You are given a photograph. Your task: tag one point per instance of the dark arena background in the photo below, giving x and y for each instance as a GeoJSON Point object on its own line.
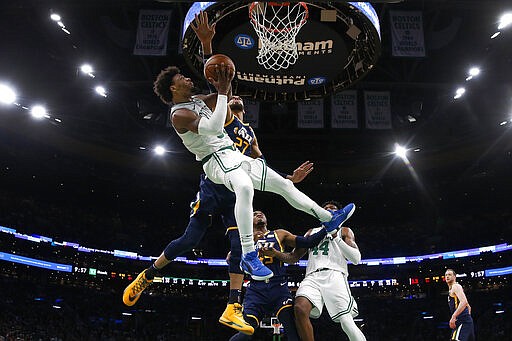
{"type": "Point", "coordinates": [411, 120]}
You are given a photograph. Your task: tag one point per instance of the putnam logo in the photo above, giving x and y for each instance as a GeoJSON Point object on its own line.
{"type": "Point", "coordinates": [271, 79]}
{"type": "Point", "coordinates": [317, 80]}
{"type": "Point", "coordinates": [244, 41]}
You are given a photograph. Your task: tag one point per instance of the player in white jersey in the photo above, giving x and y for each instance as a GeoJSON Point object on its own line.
{"type": "Point", "coordinates": [199, 121]}
{"type": "Point", "coordinates": [326, 281]}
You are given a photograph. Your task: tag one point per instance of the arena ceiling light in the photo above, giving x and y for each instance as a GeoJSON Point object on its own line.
{"type": "Point", "coordinates": [101, 91]}
{"type": "Point", "coordinates": [55, 17]}
{"type": "Point", "coordinates": [159, 150]}
{"type": "Point", "coordinates": [459, 92]}
{"type": "Point", "coordinates": [38, 111]}
{"type": "Point", "coordinates": [400, 151]}
{"type": "Point", "coordinates": [473, 72]}
{"type": "Point", "coordinates": [7, 95]}
{"type": "Point", "coordinates": [87, 69]}
{"type": "Point", "coordinates": [505, 20]}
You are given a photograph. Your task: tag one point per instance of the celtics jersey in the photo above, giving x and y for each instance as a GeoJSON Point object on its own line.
{"type": "Point", "coordinates": [326, 255]}
{"type": "Point", "coordinates": [201, 145]}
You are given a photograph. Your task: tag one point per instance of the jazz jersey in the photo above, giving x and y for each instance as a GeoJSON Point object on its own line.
{"type": "Point", "coordinates": [241, 134]}
{"type": "Point", "coordinates": [270, 239]}
{"type": "Point", "coordinates": [326, 255]}
{"type": "Point", "coordinates": [453, 303]}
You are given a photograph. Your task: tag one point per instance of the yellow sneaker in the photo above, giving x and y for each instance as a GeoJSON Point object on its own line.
{"type": "Point", "coordinates": [233, 318]}
{"type": "Point", "coordinates": [132, 292]}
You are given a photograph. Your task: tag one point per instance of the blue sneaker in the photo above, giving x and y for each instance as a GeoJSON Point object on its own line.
{"type": "Point", "coordinates": [252, 265]}
{"type": "Point", "coordinates": [338, 218]}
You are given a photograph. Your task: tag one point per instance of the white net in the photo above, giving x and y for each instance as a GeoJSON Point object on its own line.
{"type": "Point", "coordinates": [277, 24]}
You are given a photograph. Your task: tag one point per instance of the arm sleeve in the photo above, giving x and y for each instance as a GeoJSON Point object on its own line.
{"type": "Point", "coordinates": [310, 241]}
{"type": "Point", "coordinates": [351, 253]}
{"type": "Point", "coordinates": [214, 124]}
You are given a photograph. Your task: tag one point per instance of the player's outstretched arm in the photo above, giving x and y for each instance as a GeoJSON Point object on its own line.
{"type": "Point", "coordinates": [285, 257]}
{"type": "Point", "coordinates": [204, 32]}
{"type": "Point", "coordinates": [347, 243]}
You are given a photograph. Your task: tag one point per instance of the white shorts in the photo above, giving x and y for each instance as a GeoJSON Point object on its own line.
{"type": "Point", "coordinates": [331, 288]}
{"type": "Point", "coordinates": [227, 161]}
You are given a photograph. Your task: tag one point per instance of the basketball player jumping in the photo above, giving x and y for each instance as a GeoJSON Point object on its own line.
{"type": "Point", "coordinates": [215, 199]}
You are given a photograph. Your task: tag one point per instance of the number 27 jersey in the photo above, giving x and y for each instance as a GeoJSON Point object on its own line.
{"type": "Point", "coordinates": [241, 134]}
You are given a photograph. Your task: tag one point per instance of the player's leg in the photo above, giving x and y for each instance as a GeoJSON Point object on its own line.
{"type": "Point", "coordinates": [239, 181]}
{"type": "Point", "coordinates": [255, 299]}
{"type": "Point", "coordinates": [302, 309]}
{"type": "Point", "coordinates": [232, 315]}
{"type": "Point", "coordinates": [350, 328]}
{"type": "Point", "coordinates": [271, 181]}
{"type": "Point", "coordinates": [200, 220]}
{"type": "Point", "coordinates": [339, 302]}
{"type": "Point", "coordinates": [193, 234]}
{"type": "Point", "coordinates": [308, 303]}
{"type": "Point", "coordinates": [287, 318]}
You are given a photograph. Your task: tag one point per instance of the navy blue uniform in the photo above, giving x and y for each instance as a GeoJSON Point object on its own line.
{"type": "Point", "coordinates": [272, 296]}
{"type": "Point", "coordinates": [464, 329]}
{"type": "Point", "coordinates": [215, 199]}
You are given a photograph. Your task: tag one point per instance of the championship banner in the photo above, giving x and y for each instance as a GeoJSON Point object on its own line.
{"type": "Point", "coordinates": [311, 114]}
{"type": "Point", "coordinates": [407, 34]}
{"type": "Point", "coordinates": [344, 109]}
{"type": "Point", "coordinates": [152, 31]}
{"type": "Point", "coordinates": [252, 113]}
{"type": "Point", "coordinates": [377, 109]}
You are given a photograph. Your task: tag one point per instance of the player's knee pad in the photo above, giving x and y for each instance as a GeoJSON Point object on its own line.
{"type": "Point", "coordinates": [236, 252]}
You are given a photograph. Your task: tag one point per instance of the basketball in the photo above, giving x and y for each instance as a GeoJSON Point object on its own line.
{"type": "Point", "coordinates": [217, 59]}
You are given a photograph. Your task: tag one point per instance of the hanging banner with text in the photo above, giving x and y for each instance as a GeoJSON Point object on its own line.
{"type": "Point", "coordinates": [344, 109]}
{"type": "Point", "coordinates": [407, 34]}
{"type": "Point", "coordinates": [252, 113]}
{"type": "Point", "coordinates": [152, 31]}
{"type": "Point", "coordinates": [311, 114]}
{"type": "Point", "coordinates": [377, 109]}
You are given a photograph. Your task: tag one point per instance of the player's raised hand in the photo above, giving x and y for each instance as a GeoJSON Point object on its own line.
{"type": "Point", "coordinates": [202, 27]}
{"type": "Point", "coordinates": [301, 172]}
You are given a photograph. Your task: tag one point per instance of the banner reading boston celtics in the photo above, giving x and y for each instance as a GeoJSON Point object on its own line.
{"type": "Point", "coordinates": [311, 114]}
{"type": "Point", "coordinates": [152, 33]}
{"type": "Point", "coordinates": [407, 34]}
{"type": "Point", "coordinates": [344, 109]}
{"type": "Point", "coordinates": [377, 109]}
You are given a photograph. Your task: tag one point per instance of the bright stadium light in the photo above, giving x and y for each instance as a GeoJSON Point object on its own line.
{"type": "Point", "coordinates": [495, 35]}
{"type": "Point", "coordinates": [38, 111]}
{"type": "Point", "coordinates": [459, 92]}
{"type": "Point", "coordinates": [505, 20]}
{"type": "Point", "coordinates": [7, 95]}
{"type": "Point", "coordinates": [159, 150]}
{"type": "Point", "coordinates": [101, 91]}
{"type": "Point", "coordinates": [400, 151]}
{"type": "Point", "coordinates": [55, 17]}
{"type": "Point", "coordinates": [61, 24]}
{"type": "Point", "coordinates": [87, 69]}
{"type": "Point", "coordinates": [473, 72]}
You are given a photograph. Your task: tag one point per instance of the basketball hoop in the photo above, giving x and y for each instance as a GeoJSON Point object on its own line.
{"type": "Point", "coordinates": [277, 24]}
